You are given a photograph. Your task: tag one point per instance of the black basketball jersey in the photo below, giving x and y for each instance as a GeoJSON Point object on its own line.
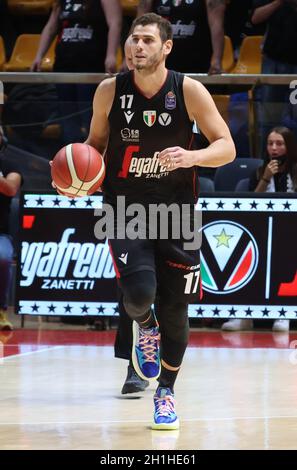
{"type": "Point", "coordinates": [192, 46]}
{"type": "Point", "coordinates": [140, 128]}
{"type": "Point", "coordinates": [82, 37]}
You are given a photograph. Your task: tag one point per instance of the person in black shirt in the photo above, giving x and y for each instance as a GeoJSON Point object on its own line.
{"type": "Point", "coordinates": [238, 23]}
{"type": "Point", "coordinates": [279, 57]}
{"type": "Point", "coordinates": [142, 122]}
{"type": "Point", "coordinates": [88, 38]}
{"type": "Point", "coordinates": [10, 182]}
{"type": "Point", "coordinates": [281, 32]}
{"type": "Point", "coordinates": [198, 32]}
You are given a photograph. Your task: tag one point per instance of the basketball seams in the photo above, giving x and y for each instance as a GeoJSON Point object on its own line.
{"type": "Point", "coordinates": [57, 174]}
{"type": "Point", "coordinates": [98, 176]}
{"type": "Point", "coordinates": [88, 166]}
{"type": "Point", "coordinates": [77, 186]}
{"type": "Point", "coordinates": [58, 170]}
{"type": "Point", "coordinates": [75, 180]}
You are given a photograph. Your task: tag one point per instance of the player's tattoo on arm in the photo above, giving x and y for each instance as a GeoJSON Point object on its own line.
{"type": "Point", "coordinates": [211, 4]}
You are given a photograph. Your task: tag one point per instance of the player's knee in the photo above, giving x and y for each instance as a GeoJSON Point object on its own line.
{"type": "Point", "coordinates": [139, 301]}
{"type": "Point", "coordinates": [138, 298]}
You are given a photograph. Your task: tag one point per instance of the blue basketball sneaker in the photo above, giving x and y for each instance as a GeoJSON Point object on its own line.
{"type": "Point", "coordinates": [145, 351]}
{"type": "Point", "coordinates": [165, 417]}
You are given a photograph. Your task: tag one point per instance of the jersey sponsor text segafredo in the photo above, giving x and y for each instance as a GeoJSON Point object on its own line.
{"type": "Point", "coordinates": [66, 264]}
{"type": "Point", "coordinates": [146, 167]}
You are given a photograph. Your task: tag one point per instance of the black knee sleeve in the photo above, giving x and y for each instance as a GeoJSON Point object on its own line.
{"type": "Point", "coordinates": [139, 292]}
{"type": "Point", "coordinates": [172, 352]}
{"type": "Point", "coordinates": [174, 328]}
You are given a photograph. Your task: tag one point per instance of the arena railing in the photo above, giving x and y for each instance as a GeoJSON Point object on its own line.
{"type": "Point", "coordinates": [223, 79]}
{"type": "Point", "coordinates": [231, 83]}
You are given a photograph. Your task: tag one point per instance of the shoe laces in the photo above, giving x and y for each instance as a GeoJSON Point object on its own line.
{"type": "Point", "coordinates": [164, 405]}
{"type": "Point", "coordinates": [147, 343]}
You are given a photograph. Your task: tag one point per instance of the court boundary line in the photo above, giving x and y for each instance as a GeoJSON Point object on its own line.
{"type": "Point", "coordinates": [183, 420]}
{"type": "Point", "coordinates": [28, 353]}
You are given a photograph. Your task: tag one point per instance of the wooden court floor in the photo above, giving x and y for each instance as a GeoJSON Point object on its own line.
{"type": "Point", "coordinates": [67, 396]}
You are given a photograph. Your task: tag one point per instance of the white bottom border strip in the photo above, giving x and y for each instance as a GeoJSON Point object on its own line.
{"type": "Point", "coordinates": [36, 307]}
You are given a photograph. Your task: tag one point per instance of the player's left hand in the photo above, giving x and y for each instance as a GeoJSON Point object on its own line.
{"type": "Point", "coordinates": [176, 157]}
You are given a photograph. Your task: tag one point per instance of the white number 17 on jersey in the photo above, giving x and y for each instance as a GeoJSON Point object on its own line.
{"type": "Point", "coordinates": [192, 282]}
{"type": "Point", "coordinates": [126, 101]}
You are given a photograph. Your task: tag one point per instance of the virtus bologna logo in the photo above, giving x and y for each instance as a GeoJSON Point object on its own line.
{"type": "Point", "coordinates": [229, 257]}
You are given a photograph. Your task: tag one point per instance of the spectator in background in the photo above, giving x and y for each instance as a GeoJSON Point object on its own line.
{"type": "Point", "coordinates": [279, 57]}
{"type": "Point", "coordinates": [10, 182]}
{"type": "Point", "coordinates": [238, 26]}
{"type": "Point", "coordinates": [198, 32]}
{"type": "Point", "coordinates": [88, 38]}
{"type": "Point", "coordinates": [278, 174]}
{"type": "Point", "coordinates": [238, 23]}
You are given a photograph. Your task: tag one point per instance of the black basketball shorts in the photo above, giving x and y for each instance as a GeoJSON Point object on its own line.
{"type": "Point", "coordinates": [177, 270]}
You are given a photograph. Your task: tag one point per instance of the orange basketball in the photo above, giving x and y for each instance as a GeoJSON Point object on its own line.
{"type": "Point", "coordinates": [78, 170]}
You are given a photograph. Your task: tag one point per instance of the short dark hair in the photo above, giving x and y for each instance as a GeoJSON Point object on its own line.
{"type": "Point", "coordinates": [164, 25]}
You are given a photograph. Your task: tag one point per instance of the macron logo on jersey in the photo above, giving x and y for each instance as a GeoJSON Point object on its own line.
{"type": "Point", "coordinates": [128, 115]}
{"type": "Point", "coordinates": [124, 258]}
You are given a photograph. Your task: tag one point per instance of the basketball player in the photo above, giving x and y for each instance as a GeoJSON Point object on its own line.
{"type": "Point", "coordinates": [123, 342]}
{"type": "Point", "coordinates": [142, 121]}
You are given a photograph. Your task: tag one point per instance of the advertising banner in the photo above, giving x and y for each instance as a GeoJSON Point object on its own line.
{"type": "Point", "coordinates": [248, 258]}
